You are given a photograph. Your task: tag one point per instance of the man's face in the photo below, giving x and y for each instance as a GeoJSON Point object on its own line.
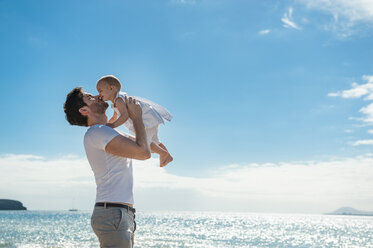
{"type": "Point", "coordinates": [95, 104]}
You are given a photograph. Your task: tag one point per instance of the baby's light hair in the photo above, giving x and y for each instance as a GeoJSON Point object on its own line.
{"type": "Point", "coordinates": [111, 81]}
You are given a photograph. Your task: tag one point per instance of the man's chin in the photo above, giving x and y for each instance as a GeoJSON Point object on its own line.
{"type": "Point", "coordinates": [99, 108]}
{"type": "Point", "coordinates": [105, 105]}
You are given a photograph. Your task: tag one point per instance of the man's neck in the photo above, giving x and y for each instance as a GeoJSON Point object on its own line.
{"type": "Point", "coordinates": [97, 119]}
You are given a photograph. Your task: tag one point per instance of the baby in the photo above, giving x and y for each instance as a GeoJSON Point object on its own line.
{"type": "Point", "coordinates": [153, 114]}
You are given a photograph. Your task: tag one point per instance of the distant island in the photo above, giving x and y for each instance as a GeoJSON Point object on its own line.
{"type": "Point", "coordinates": [11, 205]}
{"type": "Point", "coordinates": [350, 211]}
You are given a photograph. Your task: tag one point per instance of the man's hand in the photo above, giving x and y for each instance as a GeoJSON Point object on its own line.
{"type": "Point", "coordinates": [125, 147]}
{"type": "Point", "coordinates": [134, 109]}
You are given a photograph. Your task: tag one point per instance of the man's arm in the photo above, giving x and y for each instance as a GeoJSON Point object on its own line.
{"type": "Point", "coordinates": [125, 147]}
{"type": "Point", "coordinates": [134, 139]}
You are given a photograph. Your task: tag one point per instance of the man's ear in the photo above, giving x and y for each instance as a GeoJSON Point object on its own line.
{"type": "Point", "coordinates": [84, 110]}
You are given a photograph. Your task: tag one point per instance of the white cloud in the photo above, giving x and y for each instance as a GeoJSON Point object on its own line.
{"type": "Point", "coordinates": [368, 111]}
{"type": "Point", "coordinates": [297, 186]}
{"type": "Point", "coordinates": [287, 20]}
{"type": "Point", "coordinates": [363, 142]}
{"type": "Point", "coordinates": [346, 14]}
{"type": "Point", "coordinates": [46, 184]}
{"type": "Point", "coordinates": [358, 91]}
{"type": "Point", "coordinates": [265, 31]}
{"type": "Point", "coordinates": [370, 131]}
{"type": "Point", "coordinates": [352, 10]}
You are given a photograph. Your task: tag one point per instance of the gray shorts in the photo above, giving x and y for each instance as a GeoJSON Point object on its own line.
{"type": "Point", "coordinates": [114, 226]}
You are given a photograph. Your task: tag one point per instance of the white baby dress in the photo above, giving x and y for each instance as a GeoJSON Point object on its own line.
{"type": "Point", "coordinates": [153, 114]}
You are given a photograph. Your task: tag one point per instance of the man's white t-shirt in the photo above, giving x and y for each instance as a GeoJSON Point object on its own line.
{"type": "Point", "coordinates": [113, 174]}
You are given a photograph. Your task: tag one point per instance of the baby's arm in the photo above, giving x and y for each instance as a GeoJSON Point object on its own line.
{"type": "Point", "coordinates": [112, 119]}
{"type": "Point", "coordinates": [122, 108]}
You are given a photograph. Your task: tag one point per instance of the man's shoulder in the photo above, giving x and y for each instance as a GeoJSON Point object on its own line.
{"type": "Point", "coordinates": [99, 135]}
{"type": "Point", "coordinates": [98, 130]}
{"type": "Point", "coordinates": [92, 129]}
{"type": "Point", "coordinates": [97, 127]}
{"type": "Point", "coordinates": [88, 133]}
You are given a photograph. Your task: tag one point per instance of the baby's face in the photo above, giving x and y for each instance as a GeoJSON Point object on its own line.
{"type": "Point", "coordinates": [105, 91]}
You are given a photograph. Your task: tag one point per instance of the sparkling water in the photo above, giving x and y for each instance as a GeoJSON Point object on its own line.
{"type": "Point", "coordinates": [190, 229]}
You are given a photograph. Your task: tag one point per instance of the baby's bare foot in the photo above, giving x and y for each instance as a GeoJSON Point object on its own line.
{"type": "Point", "coordinates": [166, 160]}
{"type": "Point", "coordinates": [162, 158]}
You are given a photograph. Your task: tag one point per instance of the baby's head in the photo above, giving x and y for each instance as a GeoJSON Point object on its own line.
{"type": "Point", "coordinates": [108, 87]}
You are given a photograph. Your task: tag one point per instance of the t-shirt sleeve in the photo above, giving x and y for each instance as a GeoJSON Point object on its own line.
{"type": "Point", "coordinates": [101, 135]}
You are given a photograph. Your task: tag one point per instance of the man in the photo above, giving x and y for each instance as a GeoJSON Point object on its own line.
{"type": "Point", "coordinates": [109, 154]}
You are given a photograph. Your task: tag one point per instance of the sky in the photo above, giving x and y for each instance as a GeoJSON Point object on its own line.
{"type": "Point", "coordinates": [272, 100]}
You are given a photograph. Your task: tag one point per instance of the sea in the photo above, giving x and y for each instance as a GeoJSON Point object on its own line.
{"type": "Point", "coordinates": [190, 229]}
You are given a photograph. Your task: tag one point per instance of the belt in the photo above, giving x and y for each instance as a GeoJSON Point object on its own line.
{"type": "Point", "coordinates": [117, 205]}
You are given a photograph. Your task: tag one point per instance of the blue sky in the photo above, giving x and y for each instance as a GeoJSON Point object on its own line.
{"type": "Point", "coordinates": [248, 82]}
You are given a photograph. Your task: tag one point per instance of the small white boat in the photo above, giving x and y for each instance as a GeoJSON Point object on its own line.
{"type": "Point", "coordinates": [72, 209]}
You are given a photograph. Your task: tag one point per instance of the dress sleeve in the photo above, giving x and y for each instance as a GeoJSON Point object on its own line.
{"type": "Point", "coordinates": [101, 135]}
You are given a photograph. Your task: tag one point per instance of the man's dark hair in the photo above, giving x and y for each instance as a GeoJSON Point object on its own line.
{"type": "Point", "coordinates": [74, 101]}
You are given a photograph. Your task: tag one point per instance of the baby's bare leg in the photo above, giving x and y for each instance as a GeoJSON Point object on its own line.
{"type": "Point", "coordinates": [157, 149]}
{"type": "Point", "coordinates": [169, 158]}
{"type": "Point", "coordinates": [164, 156]}
{"type": "Point", "coordinates": [163, 146]}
